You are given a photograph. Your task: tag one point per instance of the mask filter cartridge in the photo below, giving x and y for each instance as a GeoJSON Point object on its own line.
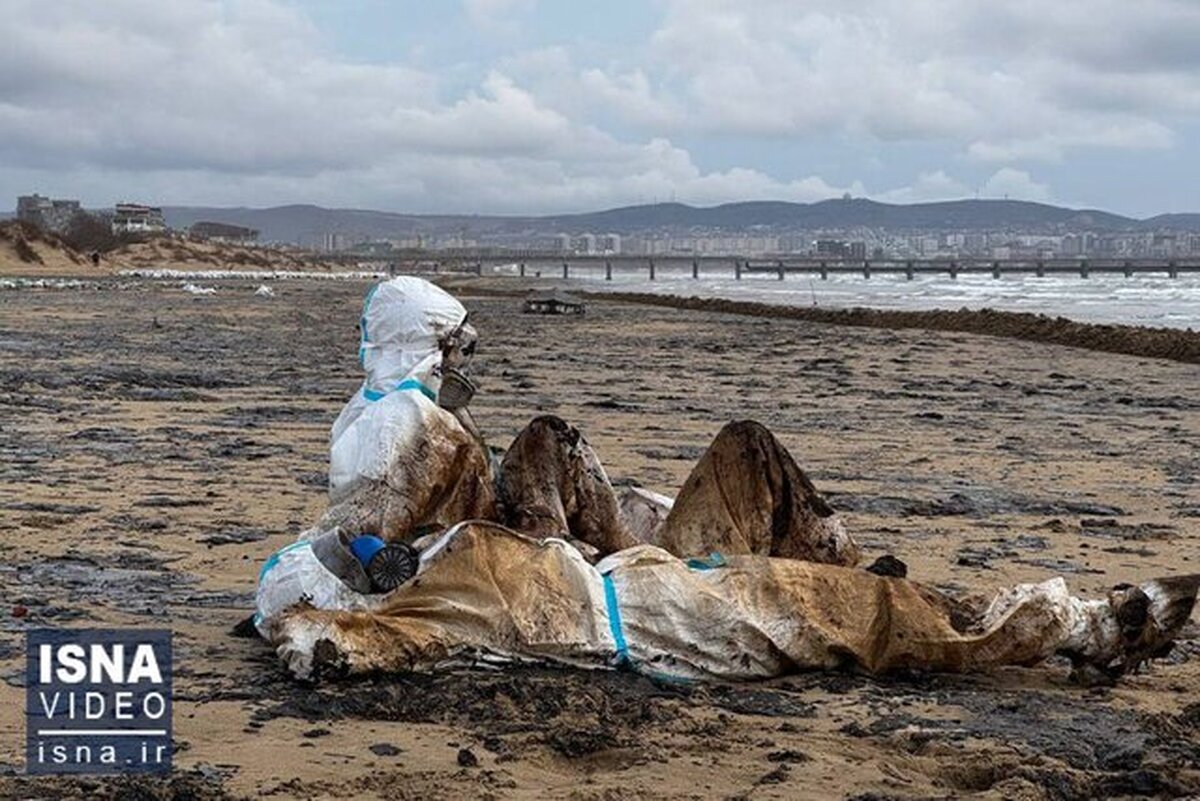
{"type": "Point", "coordinates": [388, 565]}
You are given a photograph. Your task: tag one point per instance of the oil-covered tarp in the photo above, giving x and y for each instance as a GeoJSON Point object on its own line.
{"type": "Point", "coordinates": [485, 592]}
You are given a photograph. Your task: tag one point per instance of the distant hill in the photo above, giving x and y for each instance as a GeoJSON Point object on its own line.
{"type": "Point", "coordinates": [306, 224]}
{"type": "Point", "coordinates": [958, 214]}
{"type": "Point", "coordinates": [1179, 222]}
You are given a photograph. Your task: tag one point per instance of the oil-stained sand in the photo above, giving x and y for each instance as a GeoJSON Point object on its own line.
{"type": "Point", "coordinates": [155, 447]}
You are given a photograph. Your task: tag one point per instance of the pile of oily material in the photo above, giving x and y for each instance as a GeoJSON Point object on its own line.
{"type": "Point", "coordinates": [485, 593]}
{"type": "Point", "coordinates": [399, 461]}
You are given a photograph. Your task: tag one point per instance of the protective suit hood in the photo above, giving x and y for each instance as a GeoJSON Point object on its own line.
{"type": "Point", "coordinates": [404, 321]}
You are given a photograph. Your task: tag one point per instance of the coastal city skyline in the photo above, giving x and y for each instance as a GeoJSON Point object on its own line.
{"type": "Point", "coordinates": [998, 231]}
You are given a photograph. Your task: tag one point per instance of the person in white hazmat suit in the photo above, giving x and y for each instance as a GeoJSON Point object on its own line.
{"type": "Point", "coordinates": [431, 555]}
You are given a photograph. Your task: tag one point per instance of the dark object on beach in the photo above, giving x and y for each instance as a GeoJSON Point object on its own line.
{"type": "Point", "coordinates": [888, 565]}
{"type": "Point", "coordinates": [552, 302]}
{"type": "Point", "coordinates": [467, 758]}
{"type": "Point", "coordinates": [245, 629]}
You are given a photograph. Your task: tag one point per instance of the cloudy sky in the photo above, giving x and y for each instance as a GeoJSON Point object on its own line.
{"type": "Point", "coordinates": [523, 106]}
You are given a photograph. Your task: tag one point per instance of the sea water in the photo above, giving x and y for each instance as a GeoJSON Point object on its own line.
{"type": "Point", "coordinates": [1145, 299]}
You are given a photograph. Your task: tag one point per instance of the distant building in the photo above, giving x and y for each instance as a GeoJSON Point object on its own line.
{"type": "Point", "coordinates": [52, 215]}
{"type": "Point", "coordinates": [588, 244]}
{"type": "Point", "coordinates": [223, 232]}
{"type": "Point", "coordinates": [332, 242]}
{"type": "Point", "coordinates": [609, 243]}
{"type": "Point", "coordinates": [858, 251]}
{"type": "Point", "coordinates": [377, 248]}
{"type": "Point", "coordinates": [974, 243]}
{"type": "Point", "coordinates": [134, 218]}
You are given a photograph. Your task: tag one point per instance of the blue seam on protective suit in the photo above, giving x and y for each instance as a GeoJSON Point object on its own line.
{"type": "Point", "coordinates": [614, 619]}
{"type": "Point", "coordinates": [362, 324]}
{"type": "Point", "coordinates": [408, 383]}
{"type": "Point", "coordinates": [412, 383]}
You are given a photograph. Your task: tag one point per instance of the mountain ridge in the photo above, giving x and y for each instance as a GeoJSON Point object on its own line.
{"type": "Point", "coordinates": [300, 222]}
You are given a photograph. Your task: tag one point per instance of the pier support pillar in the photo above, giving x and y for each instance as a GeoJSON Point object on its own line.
{"type": "Point", "coordinates": [1128, 269]}
{"type": "Point", "coordinates": [695, 268]}
{"type": "Point", "coordinates": [824, 272]}
{"type": "Point", "coordinates": [780, 267]}
{"type": "Point", "coordinates": [1041, 269]}
{"type": "Point", "coordinates": [652, 269]}
{"type": "Point", "coordinates": [566, 270]}
{"type": "Point", "coordinates": [521, 269]}
{"type": "Point", "coordinates": [954, 270]}
{"type": "Point", "coordinates": [737, 269]}
{"type": "Point", "coordinates": [607, 270]}
{"type": "Point", "coordinates": [908, 270]}
{"type": "Point", "coordinates": [1172, 269]}
{"type": "Point", "coordinates": [1083, 269]}
{"type": "Point", "coordinates": [996, 270]}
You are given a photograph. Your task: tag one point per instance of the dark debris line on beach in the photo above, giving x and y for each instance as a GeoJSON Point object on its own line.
{"type": "Point", "coordinates": [1158, 343]}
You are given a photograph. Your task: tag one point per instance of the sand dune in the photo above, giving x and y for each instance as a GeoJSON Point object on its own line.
{"type": "Point", "coordinates": [28, 250]}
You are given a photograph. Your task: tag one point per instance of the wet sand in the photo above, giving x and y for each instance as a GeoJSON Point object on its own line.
{"type": "Point", "coordinates": [155, 447]}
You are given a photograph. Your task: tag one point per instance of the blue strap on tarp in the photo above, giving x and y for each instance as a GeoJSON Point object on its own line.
{"type": "Point", "coordinates": [711, 562]}
{"type": "Point", "coordinates": [618, 634]}
{"type": "Point", "coordinates": [614, 619]}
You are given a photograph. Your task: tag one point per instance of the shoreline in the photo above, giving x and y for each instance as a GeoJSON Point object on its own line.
{"type": "Point", "coordinates": [1173, 344]}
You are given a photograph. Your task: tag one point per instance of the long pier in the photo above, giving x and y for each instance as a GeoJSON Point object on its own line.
{"type": "Point", "coordinates": [561, 266]}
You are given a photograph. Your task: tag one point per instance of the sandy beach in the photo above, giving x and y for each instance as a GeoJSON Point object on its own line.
{"type": "Point", "coordinates": [157, 446]}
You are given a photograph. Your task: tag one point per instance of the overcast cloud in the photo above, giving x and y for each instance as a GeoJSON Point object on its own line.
{"type": "Point", "coordinates": [521, 107]}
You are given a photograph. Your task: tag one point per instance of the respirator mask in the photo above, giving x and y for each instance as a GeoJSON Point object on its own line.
{"type": "Point", "coordinates": [364, 562]}
{"type": "Point", "coordinates": [458, 349]}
